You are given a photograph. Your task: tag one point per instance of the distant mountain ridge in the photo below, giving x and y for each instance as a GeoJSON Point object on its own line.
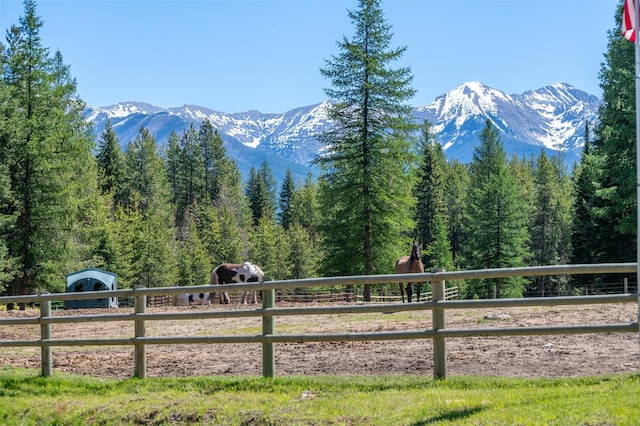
{"type": "Point", "coordinates": [551, 118]}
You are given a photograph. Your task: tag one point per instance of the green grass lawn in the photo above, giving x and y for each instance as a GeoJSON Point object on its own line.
{"type": "Point", "coordinates": [26, 399]}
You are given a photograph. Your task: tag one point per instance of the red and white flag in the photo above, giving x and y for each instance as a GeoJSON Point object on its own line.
{"type": "Point", "coordinates": [629, 20]}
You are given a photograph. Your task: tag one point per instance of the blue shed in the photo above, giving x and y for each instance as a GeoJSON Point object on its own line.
{"type": "Point", "coordinates": [91, 279]}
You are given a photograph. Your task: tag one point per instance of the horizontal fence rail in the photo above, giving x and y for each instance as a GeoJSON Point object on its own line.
{"type": "Point", "coordinates": [437, 304]}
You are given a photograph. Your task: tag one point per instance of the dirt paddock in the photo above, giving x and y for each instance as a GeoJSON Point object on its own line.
{"type": "Point", "coordinates": [518, 356]}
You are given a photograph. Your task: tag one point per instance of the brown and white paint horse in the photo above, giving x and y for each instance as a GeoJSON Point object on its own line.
{"type": "Point", "coordinates": [411, 265]}
{"type": "Point", "coordinates": [229, 273]}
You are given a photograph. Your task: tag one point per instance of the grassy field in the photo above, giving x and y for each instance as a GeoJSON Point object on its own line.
{"type": "Point", "coordinates": [26, 399]}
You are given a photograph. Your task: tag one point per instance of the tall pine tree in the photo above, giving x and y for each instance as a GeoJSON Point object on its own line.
{"type": "Point", "coordinates": [305, 207]}
{"type": "Point", "coordinates": [110, 162]}
{"type": "Point", "coordinates": [583, 244]}
{"type": "Point", "coordinates": [367, 187]}
{"type": "Point", "coordinates": [194, 265]}
{"type": "Point", "coordinates": [287, 192]}
{"type": "Point", "coordinates": [261, 192]}
{"type": "Point", "coordinates": [550, 225]}
{"type": "Point", "coordinates": [496, 227]}
{"type": "Point", "coordinates": [5, 186]}
{"type": "Point", "coordinates": [303, 254]}
{"type": "Point", "coordinates": [172, 163]}
{"type": "Point", "coordinates": [269, 248]}
{"type": "Point", "coordinates": [47, 152]}
{"type": "Point", "coordinates": [431, 210]}
{"type": "Point", "coordinates": [614, 151]}
{"type": "Point", "coordinates": [185, 163]}
{"type": "Point", "coordinates": [220, 171]}
{"type": "Point", "coordinates": [153, 257]}
{"type": "Point", "coordinates": [457, 182]}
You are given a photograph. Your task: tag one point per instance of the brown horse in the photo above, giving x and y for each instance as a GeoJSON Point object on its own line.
{"type": "Point", "coordinates": [411, 265]}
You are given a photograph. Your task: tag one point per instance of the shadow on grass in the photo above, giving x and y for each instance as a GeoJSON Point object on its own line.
{"type": "Point", "coordinates": [452, 415]}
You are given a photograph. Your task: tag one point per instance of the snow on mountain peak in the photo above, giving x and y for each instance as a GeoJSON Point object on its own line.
{"type": "Point", "coordinates": [465, 101]}
{"type": "Point", "coordinates": [552, 117]}
{"type": "Point", "coordinates": [124, 109]}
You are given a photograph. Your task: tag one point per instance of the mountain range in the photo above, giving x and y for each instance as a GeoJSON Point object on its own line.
{"type": "Point", "coordinates": [551, 118]}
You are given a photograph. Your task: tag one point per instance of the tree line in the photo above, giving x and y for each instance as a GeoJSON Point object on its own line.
{"type": "Point", "coordinates": [164, 215]}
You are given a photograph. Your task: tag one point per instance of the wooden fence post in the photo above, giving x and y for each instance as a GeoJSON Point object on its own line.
{"type": "Point", "coordinates": [140, 351]}
{"type": "Point", "coordinates": [45, 334]}
{"type": "Point", "coordinates": [439, 322]}
{"type": "Point", "coordinates": [268, 354]}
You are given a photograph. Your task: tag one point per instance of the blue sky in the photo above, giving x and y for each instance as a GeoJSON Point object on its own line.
{"type": "Point", "coordinates": [239, 55]}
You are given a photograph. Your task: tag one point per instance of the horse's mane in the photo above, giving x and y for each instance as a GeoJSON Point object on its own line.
{"type": "Point", "coordinates": [414, 253]}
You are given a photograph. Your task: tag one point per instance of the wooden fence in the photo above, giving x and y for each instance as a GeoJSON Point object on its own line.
{"type": "Point", "coordinates": [438, 305]}
{"type": "Point", "coordinates": [450, 293]}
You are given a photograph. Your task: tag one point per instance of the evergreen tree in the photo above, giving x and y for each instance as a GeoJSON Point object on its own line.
{"type": "Point", "coordinates": [5, 222]}
{"type": "Point", "coordinates": [550, 222]}
{"type": "Point", "coordinates": [254, 194]}
{"type": "Point", "coordinates": [5, 187]}
{"type": "Point", "coordinates": [280, 269]}
{"type": "Point", "coordinates": [47, 149]}
{"type": "Point", "coordinates": [97, 243]}
{"type": "Point", "coordinates": [305, 207]}
{"type": "Point", "coordinates": [565, 222]}
{"type": "Point", "coordinates": [523, 171]}
{"type": "Point", "coordinates": [219, 170]}
{"type": "Point", "coordinates": [269, 186]}
{"type": "Point", "coordinates": [304, 256]}
{"type": "Point", "coordinates": [128, 229]}
{"type": "Point", "coordinates": [431, 207]}
{"type": "Point", "coordinates": [367, 184]}
{"type": "Point", "coordinates": [615, 202]}
{"type": "Point", "coordinates": [303, 233]}
{"type": "Point", "coordinates": [110, 163]}
{"type": "Point", "coordinates": [488, 157]}
{"type": "Point", "coordinates": [223, 232]}
{"type": "Point", "coordinates": [438, 250]}
{"type": "Point", "coordinates": [497, 233]}
{"type": "Point", "coordinates": [194, 266]}
{"type": "Point", "coordinates": [261, 192]}
{"type": "Point", "coordinates": [191, 173]}
{"type": "Point", "coordinates": [287, 192]}
{"type": "Point", "coordinates": [456, 188]}
{"type": "Point", "coordinates": [584, 246]}
{"type": "Point", "coordinates": [200, 172]}
{"type": "Point", "coordinates": [172, 163]}
{"type": "Point", "coordinates": [269, 248]}
{"type": "Point", "coordinates": [146, 181]}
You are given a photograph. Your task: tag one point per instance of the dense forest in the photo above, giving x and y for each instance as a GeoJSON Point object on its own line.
{"type": "Point", "coordinates": [166, 215]}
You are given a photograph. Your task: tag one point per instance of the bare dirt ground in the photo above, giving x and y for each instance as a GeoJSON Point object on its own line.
{"type": "Point", "coordinates": [518, 356]}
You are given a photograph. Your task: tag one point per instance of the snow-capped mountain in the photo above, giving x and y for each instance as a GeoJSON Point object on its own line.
{"type": "Point", "coordinates": [551, 118]}
{"type": "Point", "coordinates": [284, 141]}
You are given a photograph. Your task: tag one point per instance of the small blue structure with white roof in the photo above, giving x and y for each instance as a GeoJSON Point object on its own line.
{"type": "Point", "coordinates": [91, 279]}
